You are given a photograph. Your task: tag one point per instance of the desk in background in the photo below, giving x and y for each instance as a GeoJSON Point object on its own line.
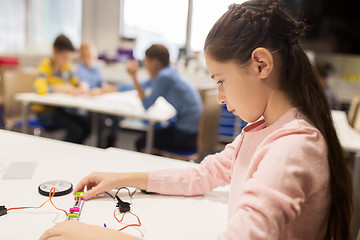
{"type": "Point", "coordinates": [163, 217]}
{"type": "Point", "coordinates": [349, 138]}
{"type": "Point", "coordinates": [350, 141]}
{"type": "Point", "coordinates": [122, 104]}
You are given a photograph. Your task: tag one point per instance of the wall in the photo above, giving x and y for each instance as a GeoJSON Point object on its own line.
{"type": "Point", "coordinates": [101, 24]}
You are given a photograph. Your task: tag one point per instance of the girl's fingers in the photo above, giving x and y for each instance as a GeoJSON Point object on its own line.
{"type": "Point", "coordinates": [51, 233]}
{"type": "Point", "coordinates": [84, 182]}
{"type": "Point", "coordinates": [94, 191]}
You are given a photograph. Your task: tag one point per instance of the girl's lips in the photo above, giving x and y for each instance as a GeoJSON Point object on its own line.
{"type": "Point", "coordinates": [231, 110]}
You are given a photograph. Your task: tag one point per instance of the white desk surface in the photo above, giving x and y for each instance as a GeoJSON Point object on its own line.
{"type": "Point", "coordinates": [349, 138]}
{"type": "Point", "coordinates": [125, 104]}
{"type": "Point", "coordinates": [163, 217]}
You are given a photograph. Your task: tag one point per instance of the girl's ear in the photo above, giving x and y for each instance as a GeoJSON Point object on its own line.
{"type": "Point", "coordinates": [263, 61]}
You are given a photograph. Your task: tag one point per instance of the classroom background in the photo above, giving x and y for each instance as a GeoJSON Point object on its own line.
{"type": "Point", "coordinates": [119, 32]}
{"type": "Point", "coordinates": [123, 29]}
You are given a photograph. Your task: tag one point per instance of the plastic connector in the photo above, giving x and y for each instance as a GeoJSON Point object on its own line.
{"type": "Point", "coordinates": [3, 210]}
{"type": "Point", "coordinates": [123, 206]}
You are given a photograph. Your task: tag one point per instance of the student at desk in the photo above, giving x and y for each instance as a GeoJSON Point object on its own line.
{"type": "Point", "coordinates": [55, 75]}
{"type": "Point", "coordinates": [287, 172]}
{"type": "Point", "coordinates": [166, 82]}
{"type": "Point", "coordinates": [89, 74]}
{"type": "Point", "coordinates": [324, 72]}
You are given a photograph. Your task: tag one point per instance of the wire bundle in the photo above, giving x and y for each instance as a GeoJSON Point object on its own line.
{"type": "Point", "coordinates": [51, 195]}
{"type": "Point", "coordinates": [124, 208]}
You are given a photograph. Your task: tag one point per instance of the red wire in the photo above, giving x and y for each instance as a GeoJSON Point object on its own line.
{"type": "Point", "coordinates": [129, 225]}
{"type": "Point", "coordinates": [51, 194]}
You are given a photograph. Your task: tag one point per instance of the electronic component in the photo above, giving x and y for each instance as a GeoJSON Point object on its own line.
{"type": "Point", "coordinates": [3, 210]}
{"type": "Point", "coordinates": [74, 212]}
{"type": "Point", "coordinates": [62, 188]}
{"type": "Point", "coordinates": [123, 206]}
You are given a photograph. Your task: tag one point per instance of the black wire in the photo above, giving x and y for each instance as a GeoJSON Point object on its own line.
{"type": "Point", "coordinates": [133, 192]}
{"type": "Point", "coordinates": [110, 195]}
{"type": "Point", "coordinates": [130, 193]}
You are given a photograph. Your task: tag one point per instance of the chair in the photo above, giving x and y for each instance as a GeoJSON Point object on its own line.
{"type": "Point", "coordinates": [354, 109]}
{"type": "Point", "coordinates": [17, 81]}
{"type": "Point", "coordinates": [230, 126]}
{"type": "Point", "coordinates": [356, 124]}
{"type": "Point", "coordinates": [1, 92]}
{"type": "Point", "coordinates": [2, 70]}
{"type": "Point", "coordinates": [354, 114]}
{"type": "Point", "coordinates": [2, 124]}
{"type": "Point", "coordinates": [207, 134]}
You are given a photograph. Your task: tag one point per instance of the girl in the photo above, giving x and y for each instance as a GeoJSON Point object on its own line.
{"type": "Point", "coordinates": [287, 171]}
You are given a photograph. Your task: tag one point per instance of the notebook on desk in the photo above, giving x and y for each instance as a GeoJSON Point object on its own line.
{"type": "Point", "coordinates": [20, 170]}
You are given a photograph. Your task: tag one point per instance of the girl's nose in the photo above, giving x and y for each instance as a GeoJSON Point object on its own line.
{"type": "Point", "coordinates": [221, 97]}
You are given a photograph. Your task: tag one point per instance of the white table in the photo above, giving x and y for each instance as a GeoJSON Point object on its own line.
{"type": "Point", "coordinates": [163, 217]}
{"type": "Point", "coordinates": [124, 104]}
{"type": "Point", "coordinates": [349, 138]}
{"type": "Point", "coordinates": [350, 141]}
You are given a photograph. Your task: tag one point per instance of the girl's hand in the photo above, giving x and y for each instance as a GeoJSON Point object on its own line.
{"type": "Point", "coordinates": [75, 230]}
{"type": "Point", "coordinates": [99, 182]}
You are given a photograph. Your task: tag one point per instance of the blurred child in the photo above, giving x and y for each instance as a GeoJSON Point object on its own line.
{"type": "Point", "coordinates": [54, 75]}
{"type": "Point", "coordinates": [165, 81]}
{"type": "Point", "coordinates": [88, 70]}
{"type": "Point", "coordinates": [89, 74]}
{"type": "Point", "coordinates": [323, 72]}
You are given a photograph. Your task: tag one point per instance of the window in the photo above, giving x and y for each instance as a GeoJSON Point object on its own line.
{"type": "Point", "coordinates": [34, 24]}
{"type": "Point", "coordinates": [155, 21]}
{"type": "Point", "coordinates": [48, 18]}
{"type": "Point", "coordinates": [205, 14]}
{"type": "Point", "coordinates": [12, 25]}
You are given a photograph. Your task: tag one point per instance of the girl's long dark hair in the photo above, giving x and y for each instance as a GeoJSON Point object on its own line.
{"type": "Point", "coordinates": [261, 23]}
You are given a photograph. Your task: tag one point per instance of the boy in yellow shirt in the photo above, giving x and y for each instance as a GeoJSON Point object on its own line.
{"type": "Point", "coordinates": [55, 75]}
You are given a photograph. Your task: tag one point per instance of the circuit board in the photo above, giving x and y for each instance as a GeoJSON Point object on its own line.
{"type": "Point", "coordinates": [75, 211]}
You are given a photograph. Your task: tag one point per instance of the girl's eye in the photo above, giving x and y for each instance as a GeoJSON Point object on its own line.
{"type": "Point", "coordinates": [220, 82]}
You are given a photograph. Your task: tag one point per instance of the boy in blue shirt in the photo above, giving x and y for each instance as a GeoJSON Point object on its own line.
{"type": "Point", "coordinates": [87, 70]}
{"type": "Point", "coordinates": [89, 74]}
{"type": "Point", "coordinates": [166, 82]}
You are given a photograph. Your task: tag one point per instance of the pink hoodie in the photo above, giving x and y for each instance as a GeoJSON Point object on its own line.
{"type": "Point", "coordinates": [278, 176]}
